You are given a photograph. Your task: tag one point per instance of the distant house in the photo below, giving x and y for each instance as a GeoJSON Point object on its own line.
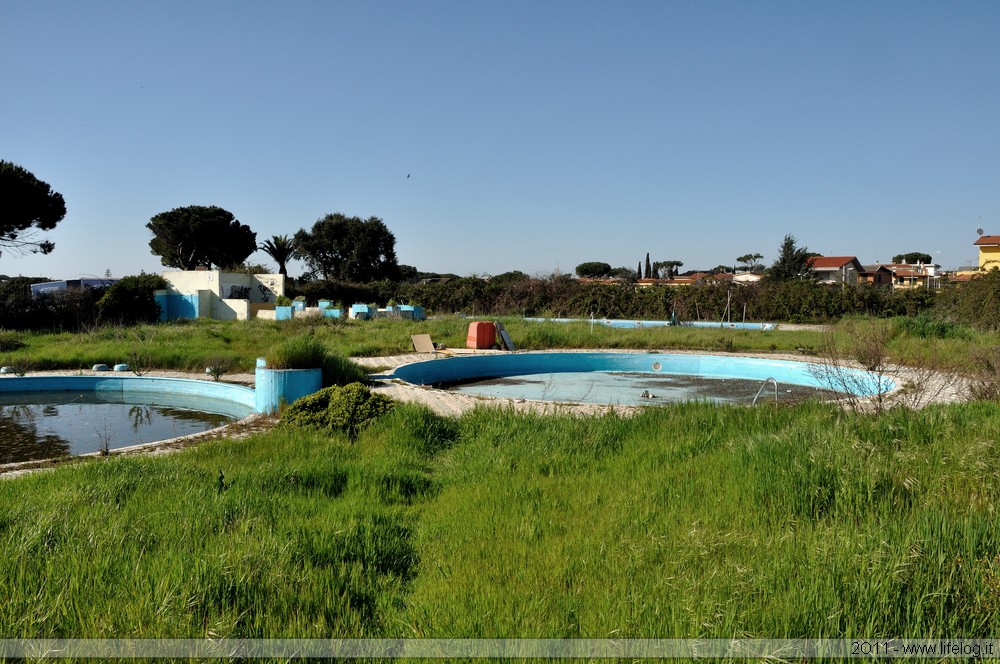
{"type": "Point", "coordinates": [915, 275]}
{"type": "Point", "coordinates": [877, 275]}
{"type": "Point", "coordinates": [836, 270]}
{"type": "Point", "coordinates": [989, 251]}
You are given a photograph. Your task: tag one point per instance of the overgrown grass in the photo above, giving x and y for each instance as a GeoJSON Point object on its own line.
{"type": "Point", "coordinates": [193, 345]}
{"type": "Point", "coordinates": [687, 520]}
{"type": "Point", "coordinates": [698, 520]}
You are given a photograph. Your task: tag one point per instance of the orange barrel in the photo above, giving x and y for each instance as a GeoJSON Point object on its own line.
{"type": "Point", "coordinates": [481, 335]}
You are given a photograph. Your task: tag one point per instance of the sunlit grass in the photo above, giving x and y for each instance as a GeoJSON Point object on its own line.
{"type": "Point", "coordinates": [686, 520]}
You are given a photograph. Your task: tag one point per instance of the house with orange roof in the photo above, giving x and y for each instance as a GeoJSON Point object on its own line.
{"type": "Point", "coordinates": [915, 275]}
{"type": "Point", "coordinates": [989, 251]}
{"type": "Point", "coordinates": [836, 270]}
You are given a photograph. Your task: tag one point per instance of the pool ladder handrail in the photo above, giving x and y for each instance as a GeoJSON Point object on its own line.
{"type": "Point", "coordinates": [762, 386]}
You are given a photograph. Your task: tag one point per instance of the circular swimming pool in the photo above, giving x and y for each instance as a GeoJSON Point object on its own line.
{"type": "Point", "coordinates": [638, 378]}
{"type": "Point", "coordinates": [47, 416]}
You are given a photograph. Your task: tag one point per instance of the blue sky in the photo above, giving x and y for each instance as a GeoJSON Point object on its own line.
{"type": "Point", "coordinates": [537, 135]}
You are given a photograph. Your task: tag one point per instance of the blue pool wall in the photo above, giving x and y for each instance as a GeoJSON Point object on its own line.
{"type": "Point", "coordinates": [431, 372]}
{"type": "Point", "coordinates": [276, 387]}
{"type": "Point", "coordinates": [239, 395]}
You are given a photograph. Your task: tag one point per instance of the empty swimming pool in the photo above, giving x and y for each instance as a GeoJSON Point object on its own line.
{"type": "Point", "coordinates": [633, 378]}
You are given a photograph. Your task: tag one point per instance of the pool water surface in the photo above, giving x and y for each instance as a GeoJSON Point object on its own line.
{"type": "Point", "coordinates": [43, 425]}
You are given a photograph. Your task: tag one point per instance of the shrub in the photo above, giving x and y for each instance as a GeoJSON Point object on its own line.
{"type": "Point", "coordinates": [301, 352]}
{"type": "Point", "coordinates": [282, 301]}
{"type": "Point", "coordinates": [339, 370]}
{"type": "Point", "coordinates": [131, 300]}
{"type": "Point", "coordinates": [923, 326]}
{"type": "Point", "coordinates": [10, 341]}
{"type": "Point", "coordinates": [348, 408]}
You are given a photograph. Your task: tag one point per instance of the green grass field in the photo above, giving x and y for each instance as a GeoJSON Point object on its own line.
{"type": "Point", "coordinates": [689, 520]}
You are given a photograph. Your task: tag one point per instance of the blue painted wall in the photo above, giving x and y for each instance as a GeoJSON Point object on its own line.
{"type": "Point", "coordinates": [242, 398]}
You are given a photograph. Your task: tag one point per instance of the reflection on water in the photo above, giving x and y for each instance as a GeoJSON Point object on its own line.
{"type": "Point", "coordinates": [43, 425]}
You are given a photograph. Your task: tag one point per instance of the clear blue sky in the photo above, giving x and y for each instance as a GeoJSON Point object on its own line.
{"type": "Point", "coordinates": [537, 135]}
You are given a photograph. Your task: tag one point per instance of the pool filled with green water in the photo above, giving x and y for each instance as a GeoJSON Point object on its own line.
{"type": "Point", "coordinates": [43, 425]}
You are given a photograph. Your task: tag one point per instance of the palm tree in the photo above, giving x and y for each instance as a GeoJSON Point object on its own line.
{"type": "Point", "coordinates": [282, 249]}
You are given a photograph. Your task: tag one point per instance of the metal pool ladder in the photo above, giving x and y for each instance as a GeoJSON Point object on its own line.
{"type": "Point", "coordinates": [761, 390]}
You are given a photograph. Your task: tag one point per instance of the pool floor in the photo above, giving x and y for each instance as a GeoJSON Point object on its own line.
{"type": "Point", "coordinates": [627, 389]}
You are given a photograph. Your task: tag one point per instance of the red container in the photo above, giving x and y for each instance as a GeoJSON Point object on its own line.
{"type": "Point", "coordinates": [481, 335]}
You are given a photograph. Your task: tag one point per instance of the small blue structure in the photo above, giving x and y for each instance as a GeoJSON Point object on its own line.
{"type": "Point", "coordinates": [330, 313]}
{"type": "Point", "coordinates": [412, 311]}
{"type": "Point", "coordinates": [360, 312]}
{"type": "Point", "coordinates": [283, 313]}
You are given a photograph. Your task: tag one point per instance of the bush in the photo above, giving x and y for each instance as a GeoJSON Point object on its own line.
{"type": "Point", "coordinates": [976, 303]}
{"type": "Point", "coordinates": [923, 326]}
{"type": "Point", "coordinates": [339, 370]}
{"type": "Point", "coordinates": [131, 301]}
{"type": "Point", "coordinates": [349, 409]}
{"type": "Point", "coordinates": [10, 341]}
{"type": "Point", "coordinates": [301, 352]}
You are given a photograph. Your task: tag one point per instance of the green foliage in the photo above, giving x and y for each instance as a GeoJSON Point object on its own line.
{"type": "Point", "coordinates": [304, 351]}
{"type": "Point", "coordinates": [975, 303]}
{"type": "Point", "coordinates": [188, 237]}
{"type": "Point", "coordinates": [349, 249]}
{"type": "Point", "coordinates": [792, 262]}
{"type": "Point", "coordinates": [593, 269]}
{"type": "Point", "coordinates": [282, 249]}
{"type": "Point", "coordinates": [925, 326]}
{"type": "Point", "coordinates": [27, 205]}
{"type": "Point", "coordinates": [913, 257]}
{"type": "Point", "coordinates": [131, 300]}
{"type": "Point", "coordinates": [751, 262]}
{"type": "Point", "coordinates": [10, 341]}
{"type": "Point", "coordinates": [339, 370]}
{"type": "Point", "coordinates": [283, 301]}
{"type": "Point", "coordinates": [686, 521]}
{"type": "Point", "coordinates": [347, 408]}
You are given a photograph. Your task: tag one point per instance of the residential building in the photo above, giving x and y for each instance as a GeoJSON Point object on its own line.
{"type": "Point", "coordinates": [915, 275]}
{"type": "Point", "coordinates": [989, 251]}
{"type": "Point", "coordinates": [836, 270]}
{"type": "Point", "coordinates": [876, 275]}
